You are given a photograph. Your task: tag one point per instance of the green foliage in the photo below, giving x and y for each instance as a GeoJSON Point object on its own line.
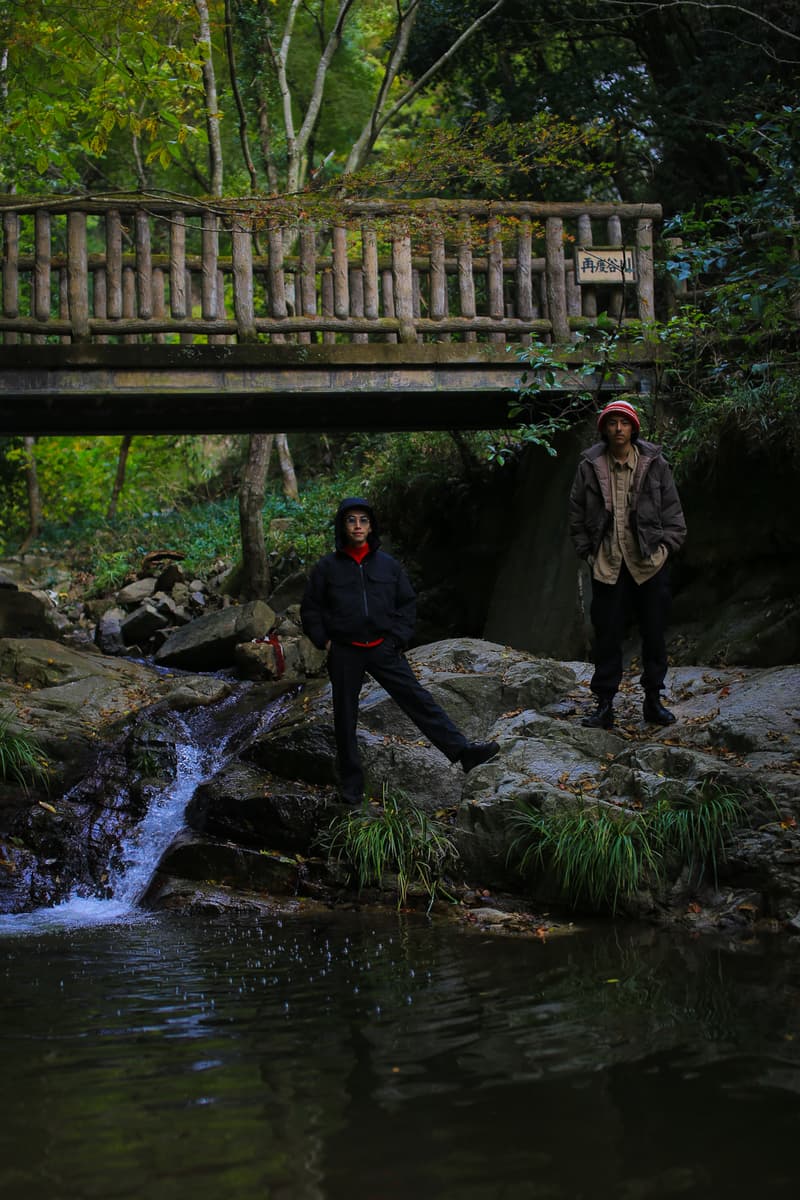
{"type": "Point", "coordinates": [601, 855]}
{"type": "Point", "coordinates": [21, 760]}
{"type": "Point", "coordinates": [76, 477]}
{"type": "Point", "coordinates": [206, 533]}
{"type": "Point", "coordinates": [400, 839]}
{"type": "Point", "coordinates": [598, 856]}
{"type": "Point", "coordinates": [562, 394]}
{"type": "Point", "coordinates": [694, 827]}
{"type": "Point", "coordinates": [745, 246]}
{"type": "Point", "coordinates": [482, 157]}
{"type": "Point", "coordinates": [655, 78]}
{"type": "Point", "coordinates": [85, 83]}
{"type": "Point", "coordinates": [398, 458]}
{"type": "Point", "coordinates": [734, 366]}
{"type": "Point", "coordinates": [765, 414]}
{"type": "Point", "coordinates": [112, 552]}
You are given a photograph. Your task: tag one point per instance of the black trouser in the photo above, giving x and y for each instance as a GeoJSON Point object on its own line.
{"type": "Point", "coordinates": [612, 606]}
{"type": "Point", "coordinates": [347, 666]}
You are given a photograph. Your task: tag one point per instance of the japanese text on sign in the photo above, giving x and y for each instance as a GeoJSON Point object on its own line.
{"type": "Point", "coordinates": [605, 264]}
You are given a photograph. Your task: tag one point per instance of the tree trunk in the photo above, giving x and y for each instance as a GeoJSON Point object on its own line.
{"type": "Point", "coordinates": [255, 565]}
{"type": "Point", "coordinates": [34, 498]}
{"type": "Point", "coordinates": [213, 114]}
{"type": "Point", "coordinates": [287, 466]}
{"type": "Point", "coordinates": [119, 481]}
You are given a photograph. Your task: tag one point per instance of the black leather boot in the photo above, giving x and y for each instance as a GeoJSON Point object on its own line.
{"type": "Point", "coordinates": [654, 711]}
{"type": "Point", "coordinates": [602, 717]}
{"type": "Point", "coordinates": [476, 753]}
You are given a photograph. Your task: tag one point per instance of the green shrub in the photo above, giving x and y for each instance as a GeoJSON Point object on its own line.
{"type": "Point", "coordinates": [400, 839]}
{"type": "Point", "coordinates": [601, 855]}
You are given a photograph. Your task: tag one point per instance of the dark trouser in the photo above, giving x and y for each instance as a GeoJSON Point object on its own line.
{"type": "Point", "coordinates": [347, 666]}
{"type": "Point", "coordinates": [612, 606]}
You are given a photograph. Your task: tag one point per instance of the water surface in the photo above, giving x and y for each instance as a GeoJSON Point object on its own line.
{"type": "Point", "coordinates": [369, 1058]}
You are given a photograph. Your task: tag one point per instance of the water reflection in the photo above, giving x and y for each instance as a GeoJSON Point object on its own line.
{"type": "Point", "coordinates": [377, 1060]}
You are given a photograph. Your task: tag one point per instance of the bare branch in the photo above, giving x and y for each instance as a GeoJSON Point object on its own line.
{"type": "Point", "coordinates": [237, 95]}
{"type": "Point", "coordinates": [378, 122]}
{"type": "Point", "coordinates": [366, 139]}
{"type": "Point", "coordinates": [647, 6]}
{"type": "Point", "coordinates": [279, 58]}
{"type": "Point", "coordinates": [334, 41]}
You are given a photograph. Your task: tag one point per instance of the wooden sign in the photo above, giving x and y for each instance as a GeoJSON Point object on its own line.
{"type": "Point", "coordinates": [605, 264]}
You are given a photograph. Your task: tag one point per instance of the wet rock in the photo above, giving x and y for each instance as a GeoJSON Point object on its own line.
{"type": "Point", "coordinates": [208, 860]}
{"type": "Point", "coordinates": [297, 749]}
{"type": "Point", "coordinates": [475, 681]}
{"type": "Point", "coordinates": [71, 700]}
{"type": "Point", "coordinates": [255, 808]}
{"type": "Point", "coordinates": [289, 592]}
{"type": "Point", "coordinates": [169, 577]}
{"type": "Point", "coordinates": [28, 614]}
{"type": "Point", "coordinates": [196, 692]}
{"type": "Point", "coordinates": [258, 660]}
{"type": "Point", "coordinates": [738, 730]}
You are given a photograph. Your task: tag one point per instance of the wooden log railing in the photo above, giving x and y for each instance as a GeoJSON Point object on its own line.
{"type": "Point", "coordinates": [135, 269]}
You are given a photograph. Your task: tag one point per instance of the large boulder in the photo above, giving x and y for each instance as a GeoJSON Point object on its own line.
{"type": "Point", "coordinates": [474, 681]}
{"type": "Point", "coordinates": [28, 614]}
{"type": "Point", "coordinates": [208, 643]}
{"type": "Point", "coordinates": [736, 730]}
{"type": "Point", "coordinates": [246, 804]}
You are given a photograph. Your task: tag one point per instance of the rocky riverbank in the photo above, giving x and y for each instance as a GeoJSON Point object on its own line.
{"type": "Point", "coordinates": [253, 827]}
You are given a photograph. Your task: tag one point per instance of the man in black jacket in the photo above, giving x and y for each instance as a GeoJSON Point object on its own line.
{"type": "Point", "coordinates": [625, 520]}
{"type": "Point", "coordinates": [360, 606]}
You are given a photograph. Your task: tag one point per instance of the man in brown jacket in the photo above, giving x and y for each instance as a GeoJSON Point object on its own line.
{"type": "Point", "coordinates": [625, 520]}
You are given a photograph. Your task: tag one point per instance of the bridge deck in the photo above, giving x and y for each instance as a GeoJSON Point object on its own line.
{"type": "Point", "coordinates": [201, 389]}
{"type": "Point", "coordinates": [140, 314]}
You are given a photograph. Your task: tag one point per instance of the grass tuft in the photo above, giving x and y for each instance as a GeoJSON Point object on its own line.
{"type": "Point", "coordinates": [21, 760]}
{"type": "Point", "coordinates": [400, 839]}
{"type": "Point", "coordinates": [602, 855]}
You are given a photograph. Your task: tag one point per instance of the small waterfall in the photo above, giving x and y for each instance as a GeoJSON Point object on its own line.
{"type": "Point", "coordinates": [202, 751]}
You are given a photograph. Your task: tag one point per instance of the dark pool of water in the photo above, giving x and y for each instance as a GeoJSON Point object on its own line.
{"type": "Point", "coordinates": [360, 1058]}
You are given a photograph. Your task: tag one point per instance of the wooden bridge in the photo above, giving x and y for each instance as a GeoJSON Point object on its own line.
{"type": "Point", "coordinates": [153, 314]}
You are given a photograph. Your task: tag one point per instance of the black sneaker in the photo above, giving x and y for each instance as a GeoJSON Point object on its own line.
{"type": "Point", "coordinates": [476, 753]}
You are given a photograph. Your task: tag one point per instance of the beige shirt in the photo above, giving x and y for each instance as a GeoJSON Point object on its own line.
{"type": "Point", "coordinates": [620, 543]}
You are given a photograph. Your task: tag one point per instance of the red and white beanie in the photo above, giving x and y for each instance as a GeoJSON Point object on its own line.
{"type": "Point", "coordinates": [624, 409]}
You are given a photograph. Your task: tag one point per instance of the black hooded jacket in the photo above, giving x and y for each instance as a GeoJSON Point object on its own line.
{"type": "Point", "coordinates": [348, 602]}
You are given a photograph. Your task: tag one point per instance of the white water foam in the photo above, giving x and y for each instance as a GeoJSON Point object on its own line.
{"type": "Point", "coordinates": [140, 855]}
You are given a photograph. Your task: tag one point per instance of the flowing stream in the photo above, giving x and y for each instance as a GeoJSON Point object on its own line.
{"type": "Point", "coordinates": [202, 748]}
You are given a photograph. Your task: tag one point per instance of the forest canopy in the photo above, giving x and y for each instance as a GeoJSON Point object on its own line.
{"type": "Point", "coordinates": [690, 104]}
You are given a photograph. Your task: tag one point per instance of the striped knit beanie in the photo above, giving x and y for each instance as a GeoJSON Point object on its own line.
{"type": "Point", "coordinates": [623, 409]}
